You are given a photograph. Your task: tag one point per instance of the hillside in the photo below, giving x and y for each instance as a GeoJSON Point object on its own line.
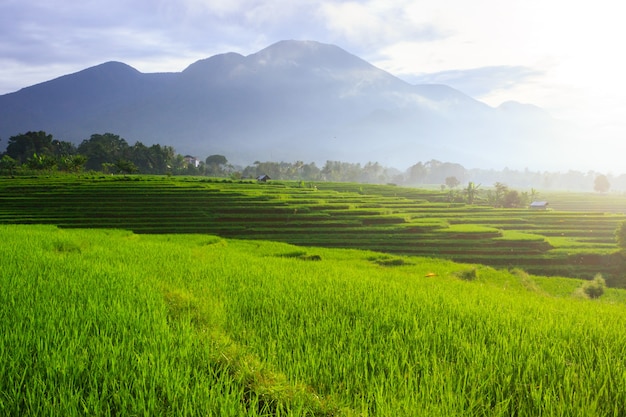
{"type": "Point", "coordinates": [575, 239]}
{"type": "Point", "coordinates": [294, 100]}
{"type": "Point", "coordinates": [102, 322]}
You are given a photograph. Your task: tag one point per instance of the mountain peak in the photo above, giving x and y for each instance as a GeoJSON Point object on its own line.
{"type": "Point", "coordinates": [220, 62]}
{"type": "Point", "coordinates": [306, 53]}
{"type": "Point", "coordinates": [291, 100]}
{"type": "Point", "coordinates": [111, 69]}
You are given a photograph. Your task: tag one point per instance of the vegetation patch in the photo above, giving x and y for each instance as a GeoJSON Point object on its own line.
{"type": "Point", "coordinates": [594, 288]}
{"type": "Point", "coordinates": [302, 255]}
{"type": "Point", "coordinates": [467, 274]}
{"type": "Point", "coordinates": [67, 246]}
{"type": "Point", "coordinates": [163, 325]}
{"type": "Point", "coordinates": [398, 221]}
{"type": "Point", "coordinates": [383, 260]}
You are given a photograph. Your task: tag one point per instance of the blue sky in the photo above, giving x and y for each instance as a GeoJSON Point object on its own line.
{"type": "Point", "coordinates": [560, 55]}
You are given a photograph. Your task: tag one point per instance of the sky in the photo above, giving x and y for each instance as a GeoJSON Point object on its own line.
{"type": "Point", "coordinates": [564, 56]}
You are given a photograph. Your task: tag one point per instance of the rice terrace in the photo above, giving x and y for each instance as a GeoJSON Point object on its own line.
{"type": "Point", "coordinates": [158, 295]}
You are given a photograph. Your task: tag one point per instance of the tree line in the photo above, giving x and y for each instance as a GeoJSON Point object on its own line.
{"type": "Point", "coordinates": [109, 153]}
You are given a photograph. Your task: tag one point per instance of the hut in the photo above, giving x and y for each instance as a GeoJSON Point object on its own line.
{"type": "Point", "coordinates": [539, 205]}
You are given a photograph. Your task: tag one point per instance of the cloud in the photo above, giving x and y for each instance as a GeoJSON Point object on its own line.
{"type": "Point", "coordinates": [479, 82]}
{"type": "Point", "coordinates": [374, 23]}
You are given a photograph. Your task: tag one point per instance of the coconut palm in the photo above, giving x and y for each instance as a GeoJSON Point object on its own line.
{"type": "Point", "coordinates": [471, 191]}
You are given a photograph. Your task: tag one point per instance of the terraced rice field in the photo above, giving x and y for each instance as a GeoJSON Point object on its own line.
{"type": "Point", "coordinates": [568, 240]}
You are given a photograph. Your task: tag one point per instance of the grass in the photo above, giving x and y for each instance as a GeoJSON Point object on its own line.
{"type": "Point", "coordinates": [395, 220]}
{"type": "Point", "coordinates": [103, 322]}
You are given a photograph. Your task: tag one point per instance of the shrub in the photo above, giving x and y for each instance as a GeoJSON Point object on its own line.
{"type": "Point", "coordinates": [595, 288]}
{"type": "Point", "coordinates": [387, 261]}
{"type": "Point", "coordinates": [467, 274]}
{"type": "Point", "coordinates": [525, 279]}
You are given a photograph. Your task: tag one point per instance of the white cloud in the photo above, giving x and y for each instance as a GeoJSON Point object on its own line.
{"type": "Point", "coordinates": [375, 23]}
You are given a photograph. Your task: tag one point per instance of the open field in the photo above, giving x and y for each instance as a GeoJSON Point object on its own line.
{"type": "Point", "coordinates": [107, 322]}
{"type": "Point", "coordinates": [574, 239]}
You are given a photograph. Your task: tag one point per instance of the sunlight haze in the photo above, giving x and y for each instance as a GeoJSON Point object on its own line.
{"type": "Point", "coordinates": [561, 56]}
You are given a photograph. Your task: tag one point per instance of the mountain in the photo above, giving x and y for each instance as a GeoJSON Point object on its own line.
{"type": "Point", "coordinates": [294, 100]}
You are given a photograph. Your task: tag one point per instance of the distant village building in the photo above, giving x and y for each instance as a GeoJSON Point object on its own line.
{"type": "Point", "coordinates": [191, 160]}
{"type": "Point", "coordinates": [263, 178]}
{"type": "Point", "coordinates": [539, 205]}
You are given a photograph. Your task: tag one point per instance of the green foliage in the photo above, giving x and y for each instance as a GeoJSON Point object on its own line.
{"type": "Point", "coordinates": [73, 163]}
{"type": "Point", "coordinates": [23, 146]}
{"type": "Point", "coordinates": [595, 288]}
{"type": "Point", "coordinates": [8, 165]}
{"type": "Point", "coordinates": [385, 260]}
{"type": "Point", "coordinates": [467, 274]}
{"type": "Point", "coordinates": [41, 162]}
{"type": "Point", "coordinates": [187, 325]}
{"type": "Point", "coordinates": [601, 184]}
{"type": "Point", "coordinates": [471, 192]}
{"type": "Point", "coordinates": [395, 220]}
{"type": "Point", "coordinates": [125, 167]}
{"type": "Point", "coordinates": [452, 182]}
{"type": "Point", "coordinates": [620, 235]}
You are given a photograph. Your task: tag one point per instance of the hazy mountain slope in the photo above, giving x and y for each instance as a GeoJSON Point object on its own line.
{"type": "Point", "coordinates": [293, 100]}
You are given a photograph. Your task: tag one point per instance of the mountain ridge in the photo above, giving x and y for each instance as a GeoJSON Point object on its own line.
{"type": "Point", "coordinates": [294, 100]}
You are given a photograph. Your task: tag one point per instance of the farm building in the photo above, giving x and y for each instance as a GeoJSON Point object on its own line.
{"type": "Point", "coordinates": [263, 178]}
{"type": "Point", "coordinates": [539, 205]}
{"type": "Point", "coordinates": [191, 160]}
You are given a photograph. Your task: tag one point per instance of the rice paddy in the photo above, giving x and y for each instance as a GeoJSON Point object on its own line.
{"type": "Point", "coordinates": [570, 240]}
{"type": "Point", "coordinates": [109, 322]}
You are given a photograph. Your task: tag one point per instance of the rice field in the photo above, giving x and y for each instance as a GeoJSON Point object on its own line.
{"type": "Point", "coordinates": [566, 241]}
{"type": "Point", "coordinates": [109, 322]}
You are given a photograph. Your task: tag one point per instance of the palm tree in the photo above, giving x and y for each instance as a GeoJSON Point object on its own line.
{"type": "Point", "coordinates": [471, 191]}
{"type": "Point", "coordinates": [533, 195]}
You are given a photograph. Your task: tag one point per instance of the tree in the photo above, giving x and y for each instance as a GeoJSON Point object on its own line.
{"type": "Point", "coordinates": [471, 191]}
{"type": "Point", "coordinates": [143, 158]}
{"type": "Point", "coordinates": [73, 163]}
{"type": "Point", "coordinates": [452, 182]}
{"type": "Point", "coordinates": [595, 288]}
{"type": "Point", "coordinates": [601, 184]}
{"type": "Point", "coordinates": [500, 191]}
{"type": "Point", "coordinates": [41, 162]}
{"type": "Point", "coordinates": [416, 174]}
{"type": "Point", "coordinates": [100, 149]}
{"type": "Point", "coordinates": [511, 199]}
{"type": "Point", "coordinates": [61, 148]}
{"type": "Point", "coordinates": [534, 194]}
{"type": "Point", "coordinates": [215, 164]}
{"type": "Point", "coordinates": [125, 166]}
{"type": "Point", "coordinates": [620, 235]}
{"type": "Point", "coordinates": [216, 160]}
{"type": "Point", "coordinates": [23, 146]}
{"type": "Point", "coordinates": [8, 164]}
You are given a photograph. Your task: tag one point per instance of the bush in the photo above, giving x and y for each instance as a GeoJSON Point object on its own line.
{"type": "Point", "coordinates": [595, 288]}
{"type": "Point", "coordinates": [620, 235]}
{"type": "Point", "coordinates": [467, 274]}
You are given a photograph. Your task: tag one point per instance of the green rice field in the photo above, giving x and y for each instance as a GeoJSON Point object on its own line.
{"type": "Point", "coordinates": [575, 238]}
{"type": "Point", "coordinates": [108, 322]}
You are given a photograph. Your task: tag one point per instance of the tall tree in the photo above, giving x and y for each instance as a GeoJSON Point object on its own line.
{"type": "Point", "coordinates": [416, 174]}
{"type": "Point", "coordinates": [601, 184]}
{"type": "Point", "coordinates": [23, 146]}
{"type": "Point", "coordinates": [216, 164]}
{"type": "Point", "coordinates": [106, 148]}
{"type": "Point", "coordinates": [61, 148]}
{"type": "Point", "coordinates": [499, 193]}
{"type": "Point", "coordinates": [471, 192]}
{"type": "Point", "coordinates": [452, 182]}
